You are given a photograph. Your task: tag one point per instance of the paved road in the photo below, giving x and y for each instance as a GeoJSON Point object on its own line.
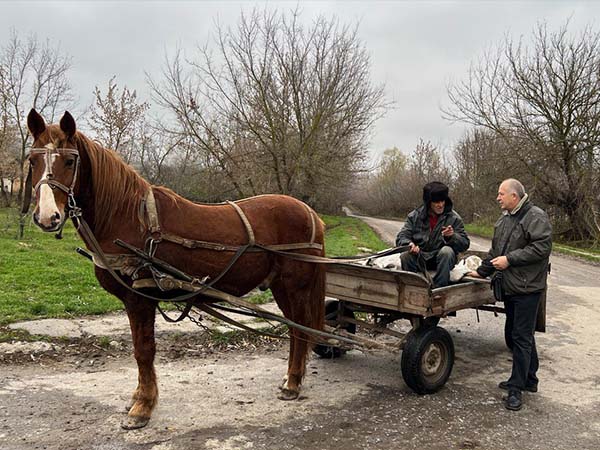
{"type": "Point", "coordinates": [227, 400]}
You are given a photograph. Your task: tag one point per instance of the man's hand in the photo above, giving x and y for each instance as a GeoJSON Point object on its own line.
{"type": "Point", "coordinates": [500, 262]}
{"type": "Point", "coordinates": [473, 274]}
{"type": "Point", "coordinates": [448, 231]}
{"type": "Point", "coordinates": [414, 249]}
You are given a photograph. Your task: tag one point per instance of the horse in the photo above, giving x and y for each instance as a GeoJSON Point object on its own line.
{"type": "Point", "coordinates": [67, 168]}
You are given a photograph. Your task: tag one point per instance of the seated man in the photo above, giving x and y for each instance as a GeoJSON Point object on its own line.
{"type": "Point", "coordinates": [435, 233]}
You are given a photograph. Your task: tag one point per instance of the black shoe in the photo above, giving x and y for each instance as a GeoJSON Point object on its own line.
{"type": "Point", "coordinates": [529, 387]}
{"type": "Point", "coordinates": [513, 401]}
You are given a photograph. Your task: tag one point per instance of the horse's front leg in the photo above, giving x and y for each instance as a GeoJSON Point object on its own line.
{"type": "Point", "coordinates": [141, 313]}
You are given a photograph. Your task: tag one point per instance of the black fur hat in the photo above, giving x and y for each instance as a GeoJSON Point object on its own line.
{"type": "Point", "coordinates": [435, 192]}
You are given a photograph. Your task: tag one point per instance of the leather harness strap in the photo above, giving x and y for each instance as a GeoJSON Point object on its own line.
{"type": "Point", "coordinates": [246, 223]}
{"type": "Point", "coordinates": [155, 230]}
{"type": "Point", "coordinates": [193, 244]}
{"type": "Point", "coordinates": [312, 223]}
{"type": "Point", "coordinates": [152, 212]}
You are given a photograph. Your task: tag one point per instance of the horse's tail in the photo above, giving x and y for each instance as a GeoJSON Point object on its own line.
{"type": "Point", "coordinates": [317, 290]}
{"type": "Point", "coordinates": [317, 297]}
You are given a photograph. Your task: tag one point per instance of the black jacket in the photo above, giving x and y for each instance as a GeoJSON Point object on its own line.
{"type": "Point", "coordinates": [416, 230]}
{"type": "Point", "coordinates": [528, 250]}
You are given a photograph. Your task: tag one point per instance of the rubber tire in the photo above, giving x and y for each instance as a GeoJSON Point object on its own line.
{"type": "Point", "coordinates": [432, 321]}
{"type": "Point", "coordinates": [418, 342]}
{"type": "Point", "coordinates": [327, 351]}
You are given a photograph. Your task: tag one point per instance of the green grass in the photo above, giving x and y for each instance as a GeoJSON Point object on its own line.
{"type": "Point", "coordinates": [346, 236]}
{"type": "Point", "coordinates": [486, 231]}
{"type": "Point", "coordinates": [587, 252]}
{"type": "Point", "coordinates": [42, 277]}
{"type": "Point", "coordinates": [261, 298]}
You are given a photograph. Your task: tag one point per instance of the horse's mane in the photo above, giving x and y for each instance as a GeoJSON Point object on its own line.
{"type": "Point", "coordinates": [117, 188]}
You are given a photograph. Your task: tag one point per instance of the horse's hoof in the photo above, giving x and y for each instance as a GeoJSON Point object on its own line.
{"type": "Point", "coordinates": [133, 423]}
{"type": "Point", "coordinates": [288, 394]}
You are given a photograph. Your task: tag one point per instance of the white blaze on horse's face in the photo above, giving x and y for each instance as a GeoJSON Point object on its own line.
{"type": "Point", "coordinates": [49, 215]}
{"type": "Point", "coordinates": [49, 212]}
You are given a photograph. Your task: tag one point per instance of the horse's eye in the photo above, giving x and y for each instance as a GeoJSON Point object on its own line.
{"type": "Point", "coordinates": [69, 162]}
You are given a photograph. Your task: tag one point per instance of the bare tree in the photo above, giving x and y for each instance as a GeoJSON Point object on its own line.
{"type": "Point", "coordinates": [479, 165]}
{"type": "Point", "coordinates": [382, 190]}
{"type": "Point", "coordinates": [396, 186]}
{"type": "Point", "coordinates": [427, 164]}
{"type": "Point", "coordinates": [5, 132]}
{"type": "Point", "coordinates": [543, 101]}
{"type": "Point", "coordinates": [9, 158]}
{"type": "Point", "coordinates": [118, 120]}
{"type": "Point", "coordinates": [34, 75]}
{"type": "Point", "coordinates": [280, 108]}
{"type": "Point", "coordinates": [9, 163]}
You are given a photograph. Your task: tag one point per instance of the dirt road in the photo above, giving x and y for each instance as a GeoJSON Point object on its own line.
{"type": "Point", "coordinates": [213, 399]}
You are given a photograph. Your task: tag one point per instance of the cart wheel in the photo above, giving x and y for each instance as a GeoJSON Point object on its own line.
{"type": "Point", "coordinates": [331, 315]}
{"type": "Point", "coordinates": [427, 359]}
{"type": "Point", "coordinates": [431, 321]}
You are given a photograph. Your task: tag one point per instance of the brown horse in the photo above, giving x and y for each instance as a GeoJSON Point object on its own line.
{"type": "Point", "coordinates": [109, 193]}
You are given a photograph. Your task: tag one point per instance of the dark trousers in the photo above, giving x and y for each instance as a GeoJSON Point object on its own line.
{"type": "Point", "coordinates": [443, 262]}
{"type": "Point", "coordinates": [521, 314]}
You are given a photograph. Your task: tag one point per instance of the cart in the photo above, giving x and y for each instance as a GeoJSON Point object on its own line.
{"type": "Point", "coordinates": [373, 298]}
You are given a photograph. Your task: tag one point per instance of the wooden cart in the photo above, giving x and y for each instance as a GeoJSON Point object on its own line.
{"type": "Point", "coordinates": [384, 296]}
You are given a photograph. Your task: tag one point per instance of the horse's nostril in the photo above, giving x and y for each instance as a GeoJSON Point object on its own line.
{"type": "Point", "coordinates": [55, 219]}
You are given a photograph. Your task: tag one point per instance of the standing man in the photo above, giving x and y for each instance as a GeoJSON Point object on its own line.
{"type": "Point", "coordinates": [520, 251]}
{"type": "Point", "coordinates": [435, 233]}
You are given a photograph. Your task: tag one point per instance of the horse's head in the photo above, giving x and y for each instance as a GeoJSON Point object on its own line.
{"type": "Point", "coordinates": [54, 160]}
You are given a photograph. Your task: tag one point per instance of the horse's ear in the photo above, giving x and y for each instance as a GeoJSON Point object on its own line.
{"type": "Point", "coordinates": [67, 125]}
{"type": "Point", "coordinates": [35, 123]}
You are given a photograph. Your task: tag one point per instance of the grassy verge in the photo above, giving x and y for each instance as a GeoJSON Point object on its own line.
{"type": "Point", "coordinates": [41, 276]}
{"type": "Point", "coordinates": [350, 236]}
{"type": "Point", "coordinates": [587, 252]}
{"type": "Point", "coordinates": [486, 231]}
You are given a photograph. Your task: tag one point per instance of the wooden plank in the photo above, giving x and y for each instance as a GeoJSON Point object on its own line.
{"type": "Point", "coordinates": [354, 270]}
{"type": "Point", "coordinates": [391, 295]}
{"type": "Point", "coordinates": [403, 291]}
{"type": "Point", "coordinates": [362, 290]}
{"type": "Point", "coordinates": [463, 295]}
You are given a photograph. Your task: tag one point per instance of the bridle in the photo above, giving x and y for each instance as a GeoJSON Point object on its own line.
{"type": "Point", "coordinates": [71, 209]}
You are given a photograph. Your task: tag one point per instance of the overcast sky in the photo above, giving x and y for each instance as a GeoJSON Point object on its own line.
{"type": "Point", "coordinates": [416, 47]}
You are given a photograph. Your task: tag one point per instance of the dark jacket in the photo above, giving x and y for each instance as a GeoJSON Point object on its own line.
{"type": "Point", "coordinates": [416, 230]}
{"type": "Point", "coordinates": [528, 250]}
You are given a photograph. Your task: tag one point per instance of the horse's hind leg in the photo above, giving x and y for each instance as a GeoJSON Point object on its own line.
{"type": "Point", "coordinates": [299, 292]}
{"type": "Point", "coordinates": [299, 347]}
{"type": "Point", "coordinates": [141, 315]}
